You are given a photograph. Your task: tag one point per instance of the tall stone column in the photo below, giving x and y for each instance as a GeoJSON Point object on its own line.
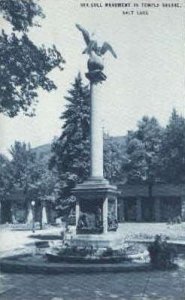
{"type": "Point", "coordinates": [96, 132]}
{"type": "Point", "coordinates": [94, 193]}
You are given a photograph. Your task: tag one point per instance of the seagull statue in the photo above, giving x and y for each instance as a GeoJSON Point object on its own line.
{"type": "Point", "coordinates": [92, 44]}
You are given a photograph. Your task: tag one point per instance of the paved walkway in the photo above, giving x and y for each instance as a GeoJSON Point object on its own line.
{"type": "Point", "coordinates": [126, 286]}
{"type": "Point", "coordinates": [15, 239]}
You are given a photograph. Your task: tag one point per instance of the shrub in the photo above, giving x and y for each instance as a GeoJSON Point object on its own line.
{"type": "Point", "coordinates": [161, 253]}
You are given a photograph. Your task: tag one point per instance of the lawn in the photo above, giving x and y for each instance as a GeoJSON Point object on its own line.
{"type": "Point", "coordinates": [149, 230]}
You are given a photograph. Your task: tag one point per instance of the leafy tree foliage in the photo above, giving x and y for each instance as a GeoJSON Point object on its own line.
{"type": "Point", "coordinates": [114, 154]}
{"type": "Point", "coordinates": [71, 151]}
{"type": "Point", "coordinates": [24, 67]}
{"type": "Point", "coordinates": [30, 173]}
{"type": "Point", "coordinates": [46, 183]}
{"type": "Point", "coordinates": [27, 175]}
{"type": "Point", "coordinates": [173, 150]}
{"type": "Point", "coordinates": [20, 13]}
{"type": "Point", "coordinates": [143, 147]}
{"type": "Point", "coordinates": [147, 155]}
{"type": "Point", "coordinates": [6, 180]}
{"type": "Point", "coordinates": [22, 164]}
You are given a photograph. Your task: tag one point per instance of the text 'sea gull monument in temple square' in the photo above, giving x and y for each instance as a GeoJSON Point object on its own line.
{"type": "Point", "coordinates": [96, 205]}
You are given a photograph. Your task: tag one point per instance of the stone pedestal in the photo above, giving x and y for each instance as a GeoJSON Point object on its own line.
{"type": "Point", "coordinates": [104, 240]}
{"type": "Point", "coordinates": [96, 207]}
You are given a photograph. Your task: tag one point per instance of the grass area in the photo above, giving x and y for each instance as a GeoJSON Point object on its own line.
{"type": "Point", "coordinates": [149, 230]}
{"type": "Point", "coordinates": [13, 239]}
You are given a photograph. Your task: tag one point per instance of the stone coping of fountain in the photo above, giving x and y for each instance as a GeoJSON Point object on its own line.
{"type": "Point", "coordinates": [14, 264]}
{"type": "Point", "coordinates": [170, 241]}
{"type": "Point", "coordinates": [178, 244]}
{"type": "Point", "coordinates": [102, 240]}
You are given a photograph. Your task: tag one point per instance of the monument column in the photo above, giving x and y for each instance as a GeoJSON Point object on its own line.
{"type": "Point", "coordinates": [96, 132]}
{"type": "Point", "coordinates": [94, 194]}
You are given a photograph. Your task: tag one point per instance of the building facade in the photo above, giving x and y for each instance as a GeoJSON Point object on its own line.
{"type": "Point", "coordinates": [167, 203]}
{"type": "Point", "coordinates": [134, 205]}
{"type": "Point", "coordinates": [15, 208]}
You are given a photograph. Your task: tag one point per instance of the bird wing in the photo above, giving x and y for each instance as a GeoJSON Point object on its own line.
{"type": "Point", "coordinates": [107, 47]}
{"type": "Point", "coordinates": [91, 46]}
{"type": "Point", "coordinates": [85, 33]}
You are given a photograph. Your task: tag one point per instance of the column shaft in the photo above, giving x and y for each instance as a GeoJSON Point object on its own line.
{"type": "Point", "coordinates": [96, 133]}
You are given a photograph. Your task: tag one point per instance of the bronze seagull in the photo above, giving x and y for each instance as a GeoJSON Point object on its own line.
{"type": "Point", "coordinates": [92, 44]}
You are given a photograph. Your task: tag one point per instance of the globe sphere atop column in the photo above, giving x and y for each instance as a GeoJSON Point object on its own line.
{"type": "Point", "coordinates": [95, 62]}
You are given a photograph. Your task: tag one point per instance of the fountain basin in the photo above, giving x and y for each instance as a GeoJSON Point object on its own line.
{"type": "Point", "coordinates": [38, 265]}
{"type": "Point", "coordinates": [86, 260]}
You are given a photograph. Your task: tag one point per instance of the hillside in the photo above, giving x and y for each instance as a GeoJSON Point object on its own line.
{"type": "Point", "coordinates": [45, 150]}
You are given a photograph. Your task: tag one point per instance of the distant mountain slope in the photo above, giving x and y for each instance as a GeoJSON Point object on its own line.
{"type": "Point", "coordinates": [45, 150]}
{"type": "Point", "coordinates": [121, 139]}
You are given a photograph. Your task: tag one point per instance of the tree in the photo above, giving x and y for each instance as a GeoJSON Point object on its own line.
{"type": "Point", "coordinates": [71, 151]}
{"type": "Point", "coordinates": [24, 66]}
{"type": "Point", "coordinates": [142, 162]}
{"type": "Point", "coordinates": [23, 167]}
{"type": "Point", "coordinates": [114, 153]}
{"type": "Point", "coordinates": [30, 175]}
{"type": "Point", "coordinates": [43, 187]}
{"type": "Point", "coordinates": [173, 150]}
{"type": "Point", "coordinates": [6, 180]}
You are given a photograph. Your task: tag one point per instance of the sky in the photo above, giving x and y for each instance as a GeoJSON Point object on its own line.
{"type": "Point", "coordinates": [147, 78]}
